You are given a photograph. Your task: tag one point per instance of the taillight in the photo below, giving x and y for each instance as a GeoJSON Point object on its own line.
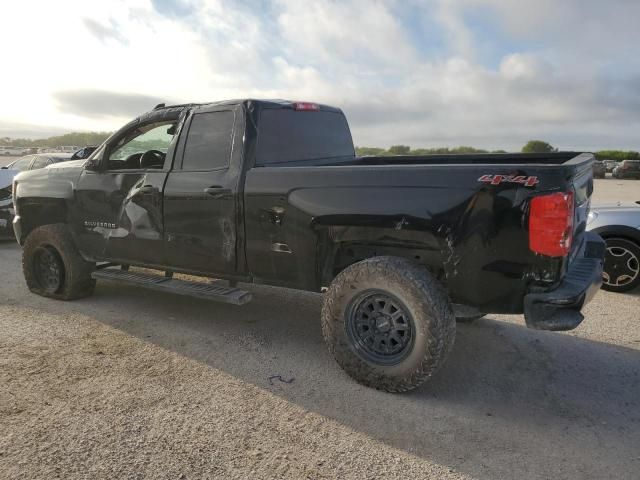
{"type": "Point", "coordinates": [306, 106]}
{"type": "Point", "coordinates": [551, 224]}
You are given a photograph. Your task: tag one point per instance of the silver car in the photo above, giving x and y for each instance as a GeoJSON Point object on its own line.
{"type": "Point", "coordinates": [619, 225]}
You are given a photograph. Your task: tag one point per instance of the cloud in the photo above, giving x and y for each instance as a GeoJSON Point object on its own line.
{"type": "Point", "coordinates": [101, 104]}
{"type": "Point", "coordinates": [21, 130]}
{"type": "Point", "coordinates": [103, 33]}
{"type": "Point", "coordinates": [491, 73]}
{"type": "Point", "coordinates": [173, 8]}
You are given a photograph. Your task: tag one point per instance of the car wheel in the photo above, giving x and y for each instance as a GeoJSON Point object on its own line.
{"type": "Point", "coordinates": [388, 323]}
{"type": "Point", "coordinates": [52, 265]}
{"type": "Point", "coordinates": [621, 271]}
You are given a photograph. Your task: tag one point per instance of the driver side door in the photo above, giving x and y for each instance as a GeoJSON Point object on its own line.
{"type": "Point", "coordinates": [120, 205]}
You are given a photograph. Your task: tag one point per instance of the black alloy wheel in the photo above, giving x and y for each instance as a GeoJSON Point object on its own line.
{"type": "Point", "coordinates": [380, 327]}
{"type": "Point", "coordinates": [48, 269]}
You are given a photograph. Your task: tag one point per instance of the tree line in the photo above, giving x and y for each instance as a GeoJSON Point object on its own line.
{"type": "Point", "coordinates": [75, 138]}
{"type": "Point", "coordinates": [532, 146]}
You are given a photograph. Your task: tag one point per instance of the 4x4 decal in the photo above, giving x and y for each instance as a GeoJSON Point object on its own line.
{"type": "Point", "coordinates": [498, 179]}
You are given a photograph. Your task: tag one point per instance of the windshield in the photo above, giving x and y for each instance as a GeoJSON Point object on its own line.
{"type": "Point", "coordinates": [286, 136]}
{"type": "Point", "coordinates": [152, 137]}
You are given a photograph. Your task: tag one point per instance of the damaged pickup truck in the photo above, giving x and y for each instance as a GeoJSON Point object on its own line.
{"type": "Point", "coordinates": [271, 192]}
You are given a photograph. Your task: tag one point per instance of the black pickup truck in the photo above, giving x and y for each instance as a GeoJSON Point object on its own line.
{"type": "Point", "coordinates": [272, 192]}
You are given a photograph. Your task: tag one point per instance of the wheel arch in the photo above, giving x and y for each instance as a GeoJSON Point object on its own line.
{"type": "Point", "coordinates": [342, 254]}
{"type": "Point", "coordinates": [39, 212]}
{"type": "Point", "coordinates": [619, 231]}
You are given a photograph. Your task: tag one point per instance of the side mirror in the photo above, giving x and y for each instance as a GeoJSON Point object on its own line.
{"type": "Point", "coordinates": [92, 165]}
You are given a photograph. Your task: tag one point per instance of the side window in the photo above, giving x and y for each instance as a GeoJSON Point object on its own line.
{"type": "Point", "coordinates": [144, 148]}
{"type": "Point", "coordinates": [208, 145]}
{"type": "Point", "coordinates": [40, 162]}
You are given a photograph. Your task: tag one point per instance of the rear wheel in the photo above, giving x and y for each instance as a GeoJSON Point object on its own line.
{"type": "Point", "coordinates": [388, 323]}
{"type": "Point", "coordinates": [52, 265]}
{"type": "Point", "coordinates": [621, 271]}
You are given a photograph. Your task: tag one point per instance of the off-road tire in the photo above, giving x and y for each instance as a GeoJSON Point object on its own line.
{"type": "Point", "coordinates": [76, 275]}
{"type": "Point", "coordinates": [423, 297]}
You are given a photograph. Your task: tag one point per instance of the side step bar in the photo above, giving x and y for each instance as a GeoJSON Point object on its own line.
{"type": "Point", "coordinates": [206, 291]}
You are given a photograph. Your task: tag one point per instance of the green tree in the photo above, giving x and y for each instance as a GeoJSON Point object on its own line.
{"type": "Point", "coordinates": [362, 151]}
{"type": "Point", "coordinates": [618, 155]}
{"type": "Point", "coordinates": [399, 150]}
{"type": "Point", "coordinates": [538, 146]}
{"type": "Point", "coordinates": [74, 138]}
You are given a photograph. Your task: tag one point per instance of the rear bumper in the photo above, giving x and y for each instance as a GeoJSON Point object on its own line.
{"type": "Point", "coordinates": [559, 309]}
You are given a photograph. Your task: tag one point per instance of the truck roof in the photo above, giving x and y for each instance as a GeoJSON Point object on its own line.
{"type": "Point", "coordinates": [271, 103]}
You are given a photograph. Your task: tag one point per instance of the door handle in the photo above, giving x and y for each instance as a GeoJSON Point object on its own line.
{"type": "Point", "coordinates": [217, 191]}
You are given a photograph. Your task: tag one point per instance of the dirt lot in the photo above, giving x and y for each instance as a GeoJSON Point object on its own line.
{"type": "Point", "coordinates": [136, 384]}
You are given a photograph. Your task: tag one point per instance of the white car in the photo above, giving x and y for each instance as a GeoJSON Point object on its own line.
{"type": "Point", "coordinates": [619, 226]}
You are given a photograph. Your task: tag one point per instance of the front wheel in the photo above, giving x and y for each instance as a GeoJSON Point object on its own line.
{"type": "Point", "coordinates": [388, 323]}
{"type": "Point", "coordinates": [52, 265]}
{"type": "Point", "coordinates": [621, 271]}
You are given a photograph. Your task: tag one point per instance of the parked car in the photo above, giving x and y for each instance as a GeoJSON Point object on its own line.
{"type": "Point", "coordinates": [6, 203]}
{"type": "Point", "coordinates": [619, 225]}
{"type": "Point", "coordinates": [38, 160]}
{"type": "Point", "coordinates": [627, 169]}
{"type": "Point", "coordinates": [7, 174]}
{"type": "Point", "coordinates": [272, 192]}
{"type": "Point", "coordinates": [84, 152]}
{"type": "Point", "coordinates": [599, 170]}
{"type": "Point", "coordinates": [610, 165]}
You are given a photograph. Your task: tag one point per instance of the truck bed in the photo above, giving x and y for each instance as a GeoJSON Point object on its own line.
{"type": "Point", "coordinates": [466, 159]}
{"type": "Point", "coordinates": [438, 206]}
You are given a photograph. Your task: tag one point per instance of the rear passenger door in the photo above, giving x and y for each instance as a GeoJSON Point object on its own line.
{"type": "Point", "coordinates": [201, 194]}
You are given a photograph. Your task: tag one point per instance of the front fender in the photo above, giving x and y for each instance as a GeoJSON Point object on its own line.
{"type": "Point", "coordinates": [42, 197]}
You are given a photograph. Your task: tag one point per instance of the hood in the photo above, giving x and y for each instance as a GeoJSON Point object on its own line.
{"type": "Point", "coordinates": [6, 177]}
{"type": "Point", "coordinates": [67, 164]}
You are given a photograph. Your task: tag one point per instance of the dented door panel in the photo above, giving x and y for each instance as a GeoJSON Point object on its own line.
{"type": "Point", "coordinates": [201, 222]}
{"type": "Point", "coordinates": [471, 234]}
{"type": "Point", "coordinates": [121, 215]}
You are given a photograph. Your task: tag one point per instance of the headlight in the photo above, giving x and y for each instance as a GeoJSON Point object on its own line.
{"type": "Point", "coordinates": [591, 217]}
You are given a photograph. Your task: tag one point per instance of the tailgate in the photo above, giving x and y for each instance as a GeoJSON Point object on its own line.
{"type": "Point", "coordinates": [582, 184]}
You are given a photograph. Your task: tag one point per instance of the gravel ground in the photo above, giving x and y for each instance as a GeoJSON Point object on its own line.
{"type": "Point", "coordinates": [137, 384]}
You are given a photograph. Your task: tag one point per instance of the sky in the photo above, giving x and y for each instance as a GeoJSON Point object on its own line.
{"type": "Point", "coordinates": [485, 73]}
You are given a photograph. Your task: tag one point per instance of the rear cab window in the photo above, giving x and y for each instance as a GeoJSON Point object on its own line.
{"type": "Point", "coordinates": [288, 137]}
